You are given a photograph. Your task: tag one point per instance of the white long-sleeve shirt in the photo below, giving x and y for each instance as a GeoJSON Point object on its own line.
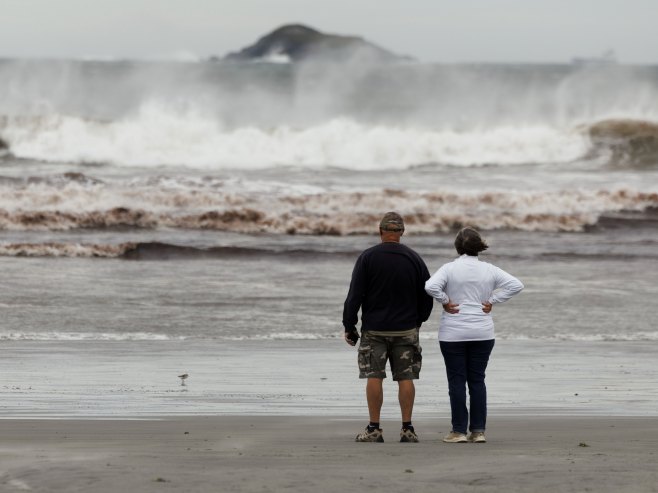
{"type": "Point", "coordinates": [469, 282]}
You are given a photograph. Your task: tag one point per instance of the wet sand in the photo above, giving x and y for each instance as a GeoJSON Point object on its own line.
{"type": "Point", "coordinates": [139, 379]}
{"type": "Point", "coordinates": [274, 453]}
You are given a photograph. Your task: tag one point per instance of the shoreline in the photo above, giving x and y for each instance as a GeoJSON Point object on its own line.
{"type": "Point", "coordinates": [139, 379]}
{"type": "Point", "coordinates": [270, 453]}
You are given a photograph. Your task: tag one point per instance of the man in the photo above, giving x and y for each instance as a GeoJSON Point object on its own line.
{"type": "Point", "coordinates": [388, 285]}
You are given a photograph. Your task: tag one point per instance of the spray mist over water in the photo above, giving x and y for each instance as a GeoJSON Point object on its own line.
{"type": "Point", "coordinates": [360, 116]}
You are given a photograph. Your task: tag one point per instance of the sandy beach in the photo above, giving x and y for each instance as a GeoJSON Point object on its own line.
{"type": "Point", "coordinates": [529, 454]}
{"type": "Point", "coordinates": [563, 417]}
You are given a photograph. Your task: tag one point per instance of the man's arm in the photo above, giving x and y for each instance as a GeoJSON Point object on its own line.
{"type": "Point", "coordinates": [425, 302]}
{"type": "Point", "coordinates": [354, 300]}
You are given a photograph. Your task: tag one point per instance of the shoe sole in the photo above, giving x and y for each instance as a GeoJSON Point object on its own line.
{"type": "Point", "coordinates": [378, 440]}
{"type": "Point", "coordinates": [462, 440]}
{"type": "Point", "coordinates": [408, 440]}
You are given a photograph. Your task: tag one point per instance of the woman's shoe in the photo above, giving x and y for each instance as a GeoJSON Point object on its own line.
{"type": "Point", "coordinates": [455, 437]}
{"type": "Point", "coordinates": [477, 437]}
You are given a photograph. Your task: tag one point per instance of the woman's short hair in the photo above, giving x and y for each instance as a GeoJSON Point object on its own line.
{"type": "Point", "coordinates": [468, 241]}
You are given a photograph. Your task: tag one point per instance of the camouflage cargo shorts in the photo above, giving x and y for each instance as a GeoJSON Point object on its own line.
{"type": "Point", "coordinates": [403, 353]}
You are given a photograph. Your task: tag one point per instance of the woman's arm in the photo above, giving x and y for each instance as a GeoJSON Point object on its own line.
{"type": "Point", "coordinates": [506, 286]}
{"type": "Point", "coordinates": [436, 284]}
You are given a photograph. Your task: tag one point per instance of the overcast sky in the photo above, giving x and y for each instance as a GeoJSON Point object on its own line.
{"type": "Point", "coordinates": [430, 30]}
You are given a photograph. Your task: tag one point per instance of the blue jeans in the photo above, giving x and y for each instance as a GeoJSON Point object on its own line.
{"type": "Point", "coordinates": [466, 362]}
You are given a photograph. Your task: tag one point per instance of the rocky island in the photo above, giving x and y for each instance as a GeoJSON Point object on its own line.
{"type": "Point", "coordinates": [296, 43]}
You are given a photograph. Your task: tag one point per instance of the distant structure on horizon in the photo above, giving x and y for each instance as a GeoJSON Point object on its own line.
{"type": "Point", "coordinates": [296, 43]}
{"type": "Point", "coordinates": [608, 58]}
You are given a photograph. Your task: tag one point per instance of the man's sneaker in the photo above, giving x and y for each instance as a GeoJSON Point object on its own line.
{"type": "Point", "coordinates": [375, 435]}
{"type": "Point", "coordinates": [454, 437]}
{"type": "Point", "coordinates": [407, 435]}
{"type": "Point", "coordinates": [477, 437]}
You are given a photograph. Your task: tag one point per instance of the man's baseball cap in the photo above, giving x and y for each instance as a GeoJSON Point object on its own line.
{"type": "Point", "coordinates": [392, 221]}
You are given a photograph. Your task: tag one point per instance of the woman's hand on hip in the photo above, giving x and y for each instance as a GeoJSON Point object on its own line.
{"type": "Point", "coordinates": [451, 307]}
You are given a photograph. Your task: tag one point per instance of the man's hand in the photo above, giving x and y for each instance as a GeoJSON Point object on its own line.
{"type": "Point", "coordinates": [486, 307]}
{"type": "Point", "coordinates": [451, 307]}
{"type": "Point", "coordinates": [351, 337]}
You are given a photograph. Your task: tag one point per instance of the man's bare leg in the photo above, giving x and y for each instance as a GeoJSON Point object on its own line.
{"type": "Point", "coordinates": [375, 396]}
{"type": "Point", "coordinates": [406, 396]}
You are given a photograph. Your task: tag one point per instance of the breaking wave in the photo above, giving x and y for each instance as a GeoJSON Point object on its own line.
{"type": "Point", "coordinates": [431, 335]}
{"type": "Point", "coordinates": [597, 337]}
{"type": "Point", "coordinates": [154, 251]}
{"type": "Point", "coordinates": [626, 143]}
{"type": "Point", "coordinates": [426, 335]}
{"type": "Point", "coordinates": [81, 203]}
{"type": "Point", "coordinates": [355, 116]}
{"type": "Point", "coordinates": [59, 249]}
{"type": "Point", "coordinates": [86, 336]}
{"type": "Point", "coordinates": [157, 137]}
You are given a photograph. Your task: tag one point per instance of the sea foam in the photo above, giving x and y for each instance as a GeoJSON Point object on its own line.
{"type": "Point", "coordinates": [63, 203]}
{"type": "Point", "coordinates": [157, 136]}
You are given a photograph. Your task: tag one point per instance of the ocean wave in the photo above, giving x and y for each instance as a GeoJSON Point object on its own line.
{"type": "Point", "coordinates": [60, 249]}
{"type": "Point", "coordinates": [626, 142]}
{"type": "Point", "coordinates": [159, 251]}
{"type": "Point", "coordinates": [159, 137]}
{"type": "Point", "coordinates": [86, 336]}
{"type": "Point", "coordinates": [356, 116]}
{"type": "Point", "coordinates": [431, 335]}
{"type": "Point", "coordinates": [284, 336]}
{"type": "Point", "coordinates": [425, 335]}
{"type": "Point", "coordinates": [582, 337]}
{"type": "Point", "coordinates": [90, 205]}
{"type": "Point", "coordinates": [156, 251]}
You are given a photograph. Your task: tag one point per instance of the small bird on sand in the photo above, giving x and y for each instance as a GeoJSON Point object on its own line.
{"type": "Point", "coordinates": [183, 377]}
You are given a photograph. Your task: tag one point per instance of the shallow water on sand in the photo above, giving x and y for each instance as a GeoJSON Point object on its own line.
{"type": "Point", "coordinates": [310, 378]}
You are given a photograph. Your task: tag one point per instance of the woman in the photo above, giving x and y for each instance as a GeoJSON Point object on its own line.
{"type": "Point", "coordinates": [468, 288]}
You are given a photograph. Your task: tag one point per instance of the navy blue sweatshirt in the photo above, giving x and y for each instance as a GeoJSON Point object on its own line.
{"type": "Point", "coordinates": [388, 284]}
